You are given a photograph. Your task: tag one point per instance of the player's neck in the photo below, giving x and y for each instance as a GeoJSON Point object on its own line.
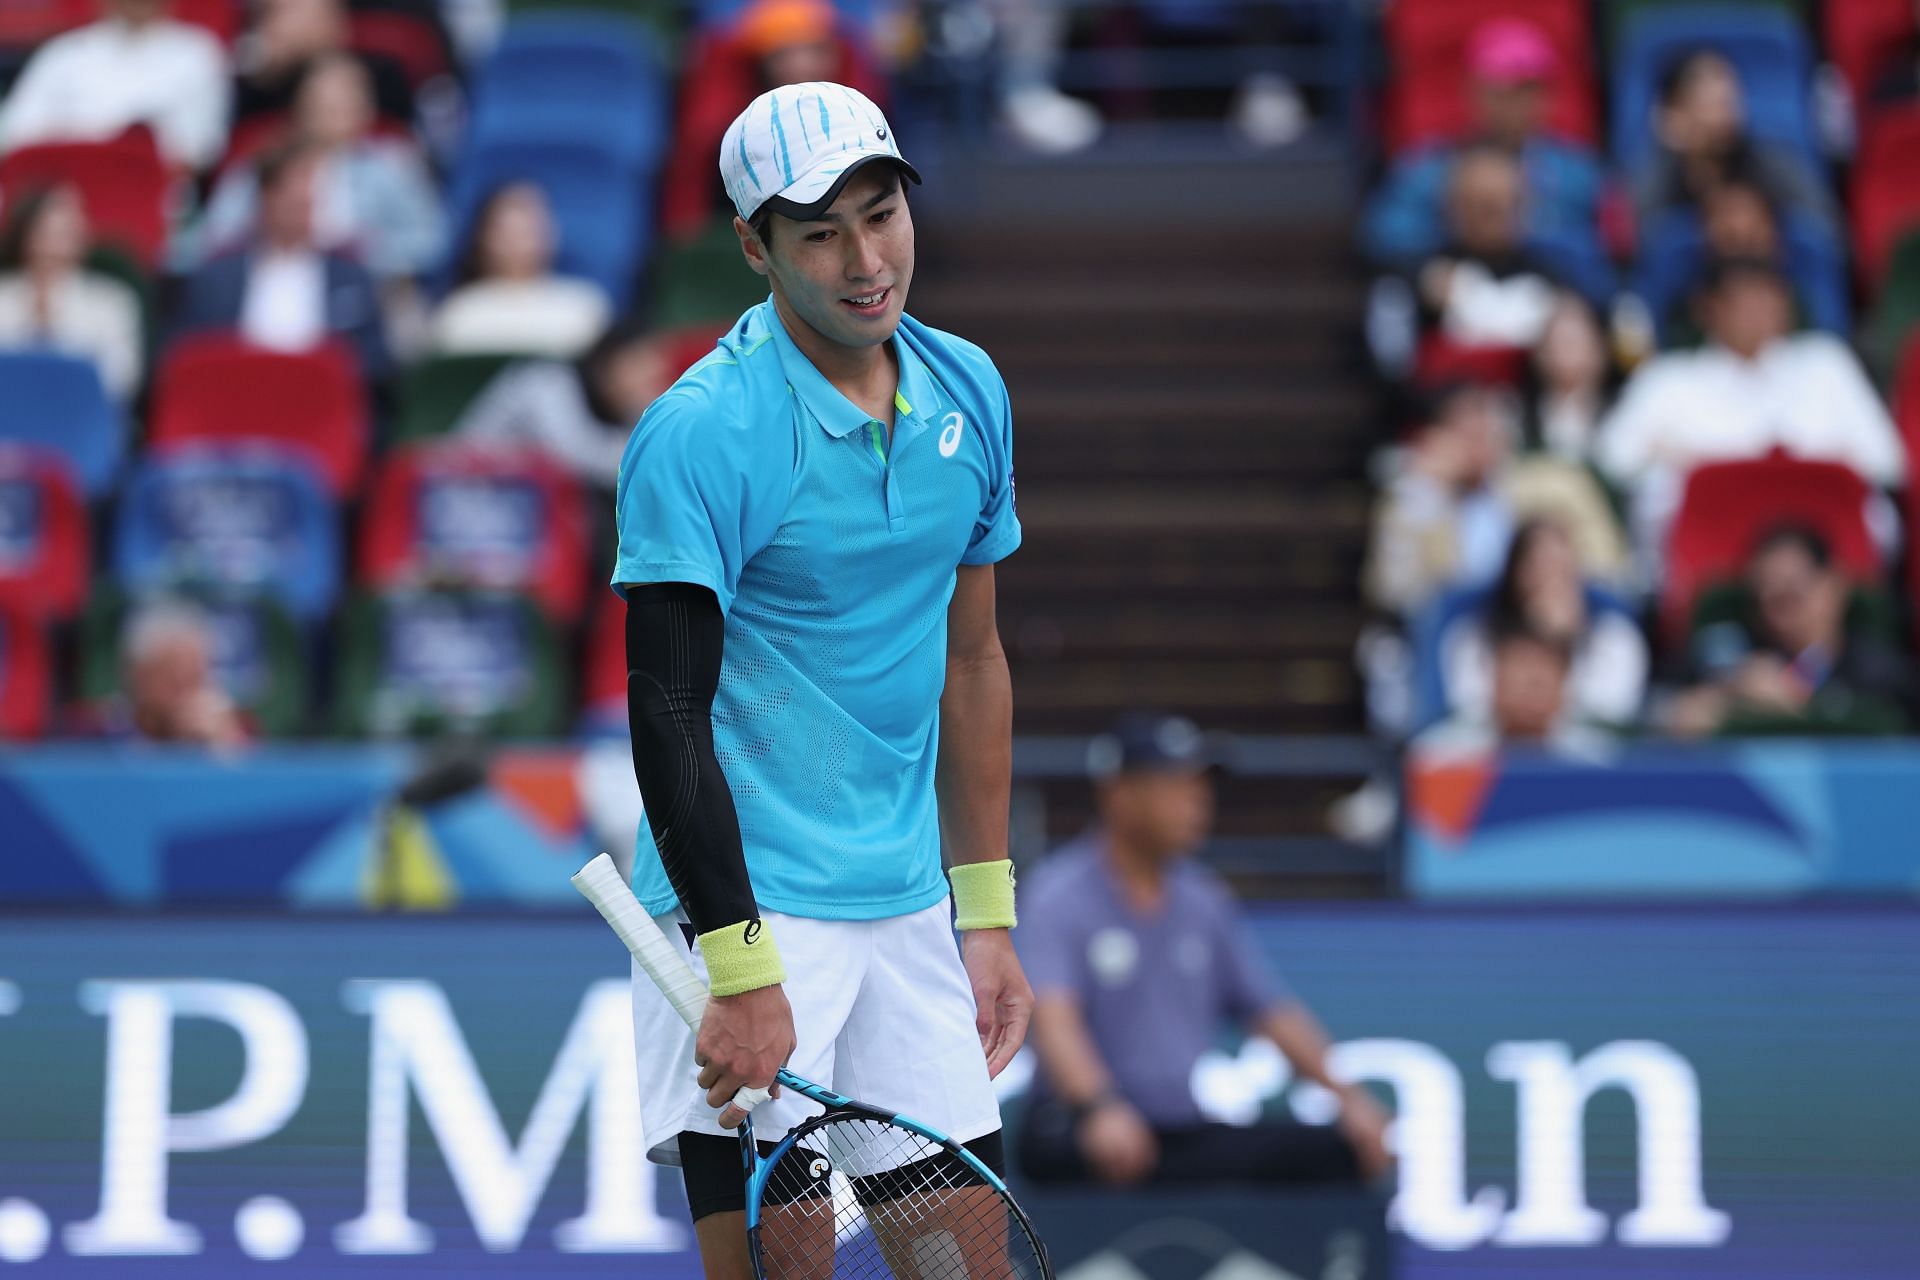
{"type": "Point", "coordinates": [868, 376]}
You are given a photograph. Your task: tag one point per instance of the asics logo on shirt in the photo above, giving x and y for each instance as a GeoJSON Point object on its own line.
{"type": "Point", "coordinates": [950, 428]}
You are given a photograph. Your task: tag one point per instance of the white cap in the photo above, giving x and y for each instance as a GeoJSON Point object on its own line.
{"type": "Point", "coordinates": [799, 144]}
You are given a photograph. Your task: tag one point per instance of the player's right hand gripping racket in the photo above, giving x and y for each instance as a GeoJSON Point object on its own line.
{"type": "Point", "coordinates": [854, 1192]}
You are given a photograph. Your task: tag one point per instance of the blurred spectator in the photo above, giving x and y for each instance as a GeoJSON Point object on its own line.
{"type": "Point", "coordinates": [1543, 592]}
{"type": "Point", "coordinates": [579, 414]}
{"type": "Point", "coordinates": [772, 43]}
{"type": "Point", "coordinates": [1753, 388]}
{"type": "Point", "coordinates": [1032, 108]}
{"type": "Point", "coordinates": [1796, 659]}
{"type": "Point", "coordinates": [1512, 65]}
{"type": "Point", "coordinates": [1704, 144]}
{"type": "Point", "coordinates": [287, 36]}
{"type": "Point", "coordinates": [1443, 521]}
{"type": "Point", "coordinates": [168, 693]}
{"type": "Point", "coordinates": [1138, 959]}
{"type": "Point", "coordinates": [1571, 384]}
{"type": "Point", "coordinates": [507, 297]}
{"type": "Point", "coordinates": [134, 66]}
{"type": "Point", "coordinates": [49, 298]}
{"type": "Point", "coordinates": [1484, 287]}
{"type": "Point", "coordinates": [1737, 221]}
{"type": "Point", "coordinates": [375, 198]}
{"type": "Point", "coordinates": [283, 290]}
{"type": "Point", "coordinates": [1527, 704]}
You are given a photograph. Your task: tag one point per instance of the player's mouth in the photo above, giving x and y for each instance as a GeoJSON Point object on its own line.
{"type": "Point", "coordinates": [869, 305]}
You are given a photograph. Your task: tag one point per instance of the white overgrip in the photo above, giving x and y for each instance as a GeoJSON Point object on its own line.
{"type": "Point", "coordinates": [601, 883]}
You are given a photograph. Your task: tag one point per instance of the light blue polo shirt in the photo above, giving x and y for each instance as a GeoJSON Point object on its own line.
{"type": "Point", "coordinates": [833, 554]}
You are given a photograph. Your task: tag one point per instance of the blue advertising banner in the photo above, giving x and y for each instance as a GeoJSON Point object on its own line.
{"type": "Point", "coordinates": [1761, 819]}
{"type": "Point", "coordinates": [1581, 1094]}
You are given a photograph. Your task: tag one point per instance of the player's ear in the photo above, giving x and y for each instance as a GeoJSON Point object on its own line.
{"type": "Point", "coordinates": [750, 246]}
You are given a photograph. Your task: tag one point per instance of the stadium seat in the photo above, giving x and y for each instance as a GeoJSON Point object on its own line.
{"type": "Point", "coordinates": [410, 41]}
{"type": "Point", "coordinates": [1441, 361]}
{"type": "Point", "coordinates": [26, 675]}
{"type": "Point", "coordinates": [601, 205]}
{"type": "Point", "coordinates": [231, 520]}
{"type": "Point", "coordinates": [1886, 189]}
{"type": "Point", "coordinates": [562, 77]}
{"type": "Point", "coordinates": [1727, 505]}
{"type": "Point", "coordinates": [214, 387]}
{"type": "Point", "coordinates": [605, 692]}
{"type": "Point", "coordinates": [1426, 45]}
{"type": "Point", "coordinates": [451, 514]}
{"type": "Point", "coordinates": [1896, 315]}
{"type": "Point", "coordinates": [46, 558]}
{"type": "Point", "coordinates": [1432, 701]}
{"type": "Point", "coordinates": [705, 281]}
{"type": "Point", "coordinates": [438, 389]}
{"type": "Point", "coordinates": [1906, 416]}
{"type": "Point", "coordinates": [56, 402]}
{"type": "Point", "coordinates": [122, 182]}
{"type": "Point", "coordinates": [223, 19]}
{"type": "Point", "coordinates": [26, 23]}
{"type": "Point", "coordinates": [1673, 254]}
{"type": "Point", "coordinates": [1862, 37]}
{"type": "Point", "coordinates": [690, 344]}
{"type": "Point", "coordinates": [259, 656]}
{"type": "Point", "coordinates": [420, 663]}
{"type": "Point", "coordinates": [661, 17]}
{"type": "Point", "coordinates": [1767, 46]}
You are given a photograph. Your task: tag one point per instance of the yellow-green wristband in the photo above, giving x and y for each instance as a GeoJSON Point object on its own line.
{"type": "Point", "coordinates": [982, 894]}
{"type": "Point", "coordinates": [741, 957]}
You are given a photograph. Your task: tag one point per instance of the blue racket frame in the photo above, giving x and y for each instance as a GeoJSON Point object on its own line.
{"type": "Point", "coordinates": [759, 1169]}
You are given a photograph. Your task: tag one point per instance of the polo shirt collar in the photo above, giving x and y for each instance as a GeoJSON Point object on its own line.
{"type": "Point", "coordinates": [836, 414]}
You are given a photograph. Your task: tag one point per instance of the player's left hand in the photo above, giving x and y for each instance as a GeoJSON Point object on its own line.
{"type": "Point", "coordinates": [1002, 1000]}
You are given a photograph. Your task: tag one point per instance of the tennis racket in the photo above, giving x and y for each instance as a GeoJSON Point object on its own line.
{"type": "Point", "coordinates": [857, 1192]}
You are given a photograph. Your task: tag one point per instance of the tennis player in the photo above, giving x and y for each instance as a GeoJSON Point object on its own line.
{"type": "Point", "coordinates": [820, 705]}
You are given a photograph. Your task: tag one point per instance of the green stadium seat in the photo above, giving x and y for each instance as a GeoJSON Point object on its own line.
{"type": "Point", "coordinates": [427, 663]}
{"type": "Point", "coordinates": [259, 656]}
{"type": "Point", "coordinates": [1896, 316]}
{"type": "Point", "coordinates": [704, 281]}
{"type": "Point", "coordinates": [437, 390]}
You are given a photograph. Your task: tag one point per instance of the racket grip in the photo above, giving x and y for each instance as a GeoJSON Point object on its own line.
{"type": "Point", "coordinates": [601, 883]}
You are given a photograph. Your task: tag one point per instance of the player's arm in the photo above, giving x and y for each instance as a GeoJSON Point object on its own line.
{"type": "Point", "coordinates": [675, 633]}
{"type": "Point", "coordinates": [974, 783]}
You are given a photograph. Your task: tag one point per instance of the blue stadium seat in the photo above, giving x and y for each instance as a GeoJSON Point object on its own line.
{"type": "Point", "coordinates": [1766, 45]}
{"type": "Point", "coordinates": [573, 77]}
{"type": "Point", "coordinates": [1673, 253]}
{"type": "Point", "coordinates": [56, 402]}
{"type": "Point", "coordinates": [234, 521]}
{"type": "Point", "coordinates": [602, 206]}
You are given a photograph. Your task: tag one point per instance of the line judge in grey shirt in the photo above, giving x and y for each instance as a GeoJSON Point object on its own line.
{"type": "Point", "coordinates": [1139, 960]}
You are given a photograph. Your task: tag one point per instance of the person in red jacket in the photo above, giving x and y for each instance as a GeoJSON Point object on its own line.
{"type": "Point", "coordinates": [772, 43]}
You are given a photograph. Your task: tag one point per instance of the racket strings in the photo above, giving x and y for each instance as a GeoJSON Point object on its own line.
{"type": "Point", "coordinates": [860, 1199]}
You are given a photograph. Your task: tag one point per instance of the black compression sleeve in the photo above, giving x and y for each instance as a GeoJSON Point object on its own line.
{"type": "Point", "coordinates": [674, 637]}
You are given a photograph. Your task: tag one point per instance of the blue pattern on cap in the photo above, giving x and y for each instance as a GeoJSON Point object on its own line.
{"type": "Point", "coordinates": [780, 135]}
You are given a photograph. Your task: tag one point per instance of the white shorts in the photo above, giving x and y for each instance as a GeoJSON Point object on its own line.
{"type": "Point", "coordinates": [882, 1011]}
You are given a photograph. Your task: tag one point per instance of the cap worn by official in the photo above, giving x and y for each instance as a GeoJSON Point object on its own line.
{"type": "Point", "coordinates": [1144, 742]}
{"type": "Point", "coordinates": [795, 147]}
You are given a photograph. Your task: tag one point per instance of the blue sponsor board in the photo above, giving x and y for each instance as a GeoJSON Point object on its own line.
{"type": "Point", "coordinates": [1580, 1093]}
{"type": "Point", "coordinates": [1769, 819]}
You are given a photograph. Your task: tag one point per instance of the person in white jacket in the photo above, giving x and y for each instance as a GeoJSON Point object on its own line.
{"type": "Point", "coordinates": [1752, 388]}
{"type": "Point", "coordinates": [134, 66]}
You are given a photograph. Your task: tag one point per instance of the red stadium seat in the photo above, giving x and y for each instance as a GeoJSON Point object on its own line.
{"type": "Point", "coordinates": [26, 675]}
{"type": "Point", "coordinates": [446, 513]}
{"type": "Point", "coordinates": [1727, 506]}
{"type": "Point", "coordinates": [1886, 189]}
{"type": "Point", "coordinates": [410, 41]}
{"type": "Point", "coordinates": [1441, 361]}
{"type": "Point", "coordinates": [216, 387]}
{"type": "Point", "coordinates": [46, 556]}
{"type": "Point", "coordinates": [605, 685]}
{"type": "Point", "coordinates": [688, 346]}
{"type": "Point", "coordinates": [223, 18]}
{"type": "Point", "coordinates": [1429, 91]}
{"type": "Point", "coordinates": [1863, 36]}
{"type": "Point", "coordinates": [122, 182]}
{"type": "Point", "coordinates": [26, 23]}
{"type": "Point", "coordinates": [1906, 415]}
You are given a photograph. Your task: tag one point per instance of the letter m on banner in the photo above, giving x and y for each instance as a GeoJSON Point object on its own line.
{"type": "Point", "coordinates": [418, 1052]}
